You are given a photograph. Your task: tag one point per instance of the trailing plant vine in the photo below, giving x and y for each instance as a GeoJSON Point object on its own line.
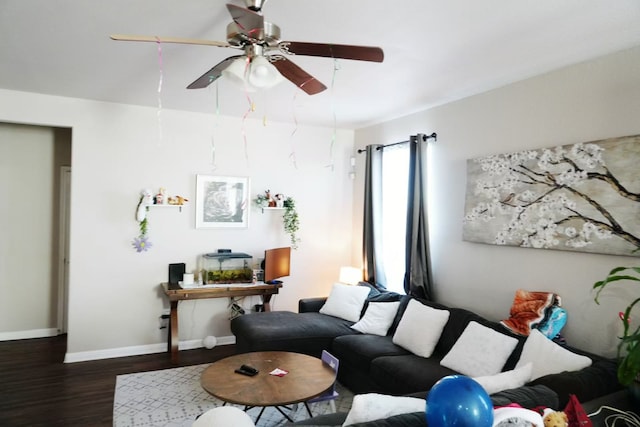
{"type": "Point", "coordinates": [291, 221]}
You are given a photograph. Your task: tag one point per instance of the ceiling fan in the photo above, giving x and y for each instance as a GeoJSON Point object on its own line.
{"type": "Point", "coordinates": [264, 51]}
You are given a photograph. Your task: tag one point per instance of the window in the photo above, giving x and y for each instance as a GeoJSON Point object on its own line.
{"type": "Point", "coordinates": [395, 172]}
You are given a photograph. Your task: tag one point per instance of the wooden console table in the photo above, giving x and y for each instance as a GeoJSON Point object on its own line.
{"type": "Point", "coordinates": [175, 293]}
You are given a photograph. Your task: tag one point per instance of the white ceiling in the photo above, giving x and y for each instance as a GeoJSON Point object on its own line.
{"type": "Point", "coordinates": [436, 51]}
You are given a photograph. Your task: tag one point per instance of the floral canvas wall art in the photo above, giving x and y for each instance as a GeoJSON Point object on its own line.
{"type": "Point", "coordinates": [581, 197]}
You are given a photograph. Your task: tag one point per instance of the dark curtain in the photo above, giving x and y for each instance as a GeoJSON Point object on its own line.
{"type": "Point", "coordinates": [417, 279]}
{"type": "Point", "coordinates": [372, 262]}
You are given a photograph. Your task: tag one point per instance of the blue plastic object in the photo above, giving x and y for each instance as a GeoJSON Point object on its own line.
{"type": "Point", "coordinates": [552, 326]}
{"type": "Point", "coordinates": [458, 401]}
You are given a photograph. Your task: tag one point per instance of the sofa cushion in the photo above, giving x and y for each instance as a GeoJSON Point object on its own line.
{"type": "Point", "coordinates": [414, 419]}
{"type": "Point", "coordinates": [479, 351]}
{"type": "Point", "coordinates": [311, 304]}
{"type": "Point", "coordinates": [373, 406]}
{"type": "Point", "coordinates": [377, 318]}
{"type": "Point", "coordinates": [360, 350]}
{"type": "Point", "coordinates": [420, 328]}
{"type": "Point", "coordinates": [589, 383]}
{"type": "Point", "coordinates": [307, 333]}
{"type": "Point", "coordinates": [548, 357]}
{"type": "Point", "coordinates": [345, 301]}
{"type": "Point", "coordinates": [528, 397]}
{"type": "Point", "coordinates": [407, 373]}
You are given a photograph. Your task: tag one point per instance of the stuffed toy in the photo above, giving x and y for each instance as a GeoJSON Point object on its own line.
{"type": "Point", "coordinates": [553, 418]}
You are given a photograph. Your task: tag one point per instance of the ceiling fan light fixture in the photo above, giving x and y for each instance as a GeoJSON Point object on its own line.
{"type": "Point", "coordinates": [236, 72]}
{"type": "Point", "coordinates": [255, 5]}
{"type": "Point", "coordinates": [263, 74]}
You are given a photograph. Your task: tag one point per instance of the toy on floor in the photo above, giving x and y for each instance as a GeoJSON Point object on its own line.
{"type": "Point", "coordinates": [553, 418]}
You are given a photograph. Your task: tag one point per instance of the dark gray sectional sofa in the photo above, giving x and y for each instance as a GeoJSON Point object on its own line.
{"type": "Point", "coordinates": [371, 363]}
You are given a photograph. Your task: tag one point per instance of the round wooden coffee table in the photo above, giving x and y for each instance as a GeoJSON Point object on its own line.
{"type": "Point", "coordinates": [308, 377]}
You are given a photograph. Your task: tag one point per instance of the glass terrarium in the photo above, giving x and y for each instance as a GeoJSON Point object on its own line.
{"type": "Point", "coordinates": [227, 267]}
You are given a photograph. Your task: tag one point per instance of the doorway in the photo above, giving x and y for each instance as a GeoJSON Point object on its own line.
{"type": "Point", "coordinates": [33, 239]}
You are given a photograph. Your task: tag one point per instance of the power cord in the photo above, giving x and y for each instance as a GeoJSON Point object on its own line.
{"type": "Point", "coordinates": [629, 418]}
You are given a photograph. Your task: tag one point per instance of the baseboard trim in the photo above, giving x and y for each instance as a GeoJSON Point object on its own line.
{"type": "Point", "coordinates": [33, 333]}
{"type": "Point", "coordinates": [110, 353]}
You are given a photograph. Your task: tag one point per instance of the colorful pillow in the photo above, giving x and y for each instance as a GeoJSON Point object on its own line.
{"type": "Point", "coordinates": [529, 308]}
{"type": "Point", "coordinates": [345, 301]}
{"type": "Point", "coordinates": [372, 406]}
{"type": "Point", "coordinates": [506, 380]}
{"type": "Point", "coordinates": [378, 318]}
{"type": "Point", "coordinates": [479, 351]}
{"type": "Point", "coordinates": [548, 357]}
{"type": "Point", "coordinates": [420, 328]}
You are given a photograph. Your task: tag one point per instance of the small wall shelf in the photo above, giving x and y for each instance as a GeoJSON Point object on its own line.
{"type": "Point", "coordinates": [167, 206]}
{"type": "Point", "coordinates": [271, 209]}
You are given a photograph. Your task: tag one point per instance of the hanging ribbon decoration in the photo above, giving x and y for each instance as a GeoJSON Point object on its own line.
{"type": "Point", "coordinates": [215, 125]}
{"type": "Point", "coordinates": [292, 155]}
{"type": "Point", "coordinates": [159, 89]}
{"type": "Point", "coordinates": [213, 155]}
{"type": "Point", "coordinates": [336, 67]}
{"type": "Point", "coordinates": [251, 108]}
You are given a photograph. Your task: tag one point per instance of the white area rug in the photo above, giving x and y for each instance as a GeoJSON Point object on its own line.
{"type": "Point", "coordinates": [174, 398]}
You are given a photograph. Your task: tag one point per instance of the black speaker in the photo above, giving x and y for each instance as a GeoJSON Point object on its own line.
{"type": "Point", "coordinates": [176, 271]}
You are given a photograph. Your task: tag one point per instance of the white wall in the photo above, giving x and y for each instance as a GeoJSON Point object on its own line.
{"type": "Point", "coordinates": [114, 296]}
{"type": "Point", "coordinates": [585, 102]}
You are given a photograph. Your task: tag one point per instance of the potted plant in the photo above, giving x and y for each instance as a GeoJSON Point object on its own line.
{"type": "Point", "coordinates": [262, 201]}
{"type": "Point", "coordinates": [290, 221]}
{"type": "Point", "coordinates": [629, 345]}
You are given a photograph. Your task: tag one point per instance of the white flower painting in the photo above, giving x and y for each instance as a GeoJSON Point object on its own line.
{"type": "Point", "coordinates": [581, 197]}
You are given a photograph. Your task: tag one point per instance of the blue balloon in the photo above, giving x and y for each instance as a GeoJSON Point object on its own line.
{"type": "Point", "coordinates": [458, 401]}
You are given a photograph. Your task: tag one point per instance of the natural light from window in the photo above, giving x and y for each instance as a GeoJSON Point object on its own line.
{"type": "Point", "coordinates": [395, 171]}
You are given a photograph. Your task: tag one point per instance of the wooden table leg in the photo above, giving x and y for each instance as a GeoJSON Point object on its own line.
{"type": "Point", "coordinates": [266, 302]}
{"type": "Point", "coordinates": [173, 340]}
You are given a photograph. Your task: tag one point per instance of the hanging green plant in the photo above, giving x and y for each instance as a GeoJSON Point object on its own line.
{"type": "Point", "coordinates": [290, 221]}
{"type": "Point", "coordinates": [142, 243]}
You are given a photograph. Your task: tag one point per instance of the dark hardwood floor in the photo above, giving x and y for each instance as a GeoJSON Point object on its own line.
{"type": "Point", "coordinates": [38, 389]}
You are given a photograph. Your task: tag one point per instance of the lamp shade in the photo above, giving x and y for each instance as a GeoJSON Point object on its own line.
{"type": "Point", "coordinates": [350, 275]}
{"type": "Point", "coordinates": [236, 72]}
{"type": "Point", "coordinates": [263, 74]}
{"type": "Point", "coordinates": [254, 74]}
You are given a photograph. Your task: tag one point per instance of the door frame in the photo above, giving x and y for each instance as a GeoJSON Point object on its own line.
{"type": "Point", "coordinates": [63, 248]}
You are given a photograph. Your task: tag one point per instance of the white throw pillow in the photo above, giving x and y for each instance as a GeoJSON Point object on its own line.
{"type": "Point", "coordinates": [506, 380]}
{"type": "Point", "coordinates": [372, 406]}
{"type": "Point", "coordinates": [420, 328]}
{"type": "Point", "coordinates": [378, 318]}
{"type": "Point", "coordinates": [479, 351]}
{"type": "Point", "coordinates": [548, 357]}
{"type": "Point", "coordinates": [345, 301]}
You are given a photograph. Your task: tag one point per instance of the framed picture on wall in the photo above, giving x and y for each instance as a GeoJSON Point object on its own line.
{"type": "Point", "coordinates": [222, 202]}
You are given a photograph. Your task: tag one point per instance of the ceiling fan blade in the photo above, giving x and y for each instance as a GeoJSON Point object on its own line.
{"type": "Point", "coordinates": [250, 22]}
{"type": "Point", "coordinates": [130, 38]}
{"type": "Point", "coordinates": [210, 76]}
{"type": "Point", "coordinates": [359, 53]}
{"type": "Point", "coordinates": [297, 75]}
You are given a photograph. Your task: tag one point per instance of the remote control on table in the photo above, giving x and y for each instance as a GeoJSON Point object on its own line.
{"type": "Point", "coordinates": [249, 369]}
{"type": "Point", "coordinates": [243, 372]}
